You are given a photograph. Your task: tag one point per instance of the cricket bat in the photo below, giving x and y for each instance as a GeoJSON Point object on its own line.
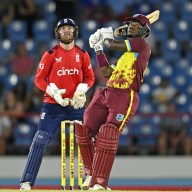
{"type": "Point", "coordinates": [154, 16]}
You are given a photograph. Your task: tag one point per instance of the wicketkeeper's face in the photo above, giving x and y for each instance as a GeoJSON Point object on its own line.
{"type": "Point", "coordinates": [66, 33]}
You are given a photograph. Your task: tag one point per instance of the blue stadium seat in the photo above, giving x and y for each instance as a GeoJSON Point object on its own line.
{"type": "Point", "coordinates": [147, 132]}
{"type": "Point", "coordinates": [159, 69]}
{"type": "Point", "coordinates": [183, 102]}
{"type": "Point", "coordinates": [49, 12]}
{"type": "Point", "coordinates": [5, 53]}
{"type": "Point", "coordinates": [189, 56]}
{"type": "Point", "coordinates": [182, 67]}
{"type": "Point", "coordinates": [154, 3]}
{"type": "Point", "coordinates": [125, 137]}
{"type": "Point", "coordinates": [145, 107]}
{"type": "Point", "coordinates": [168, 14]}
{"type": "Point", "coordinates": [154, 80]}
{"type": "Point", "coordinates": [1, 35]}
{"type": "Point", "coordinates": [156, 64]}
{"type": "Point", "coordinates": [189, 88]}
{"type": "Point", "coordinates": [41, 2]}
{"type": "Point", "coordinates": [180, 81]}
{"type": "Point", "coordinates": [160, 31]}
{"type": "Point", "coordinates": [31, 47]}
{"type": "Point", "coordinates": [42, 31]}
{"type": "Point", "coordinates": [190, 111]}
{"type": "Point", "coordinates": [80, 42]}
{"type": "Point", "coordinates": [171, 50]}
{"type": "Point", "coordinates": [6, 48]}
{"type": "Point", "coordinates": [53, 42]}
{"type": "Point", "coordinates": [182, 31]}
{"type": "Point", "coordinates": [113, 23]}
{"type": "Point", "coordinates": [4, 72]}
{"type": "Point", "coordinates": [11, 80]}
{"type": "Point", "coordinates": [144, 92]}
{"type": "Point", "coordinates": [185, 11]}
{"type": "Point", "coordinates": [86, 29]}
{"type": "Point", "coordinates": [17, 31]}
{"type": "Point", "coordinates": [144, 7]}
{"type": "Point", "coordinates": [189, 75]}
{"type": "Point", "coordinates": [23, 134]}
{"type": "Point", "coordinates": [179, 2]}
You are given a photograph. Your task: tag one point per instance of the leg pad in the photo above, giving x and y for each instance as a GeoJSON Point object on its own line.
{"type": "Point", "coordinates": [35, 156]}
{"type": "Point", "coordinates": [84, 141]}
{"type": "Point", "coordinates": [106, 148]}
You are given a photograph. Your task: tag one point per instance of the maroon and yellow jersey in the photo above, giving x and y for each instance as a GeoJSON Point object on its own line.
{"type": "Point", "coordinates": [130, 68]}
{"type": "Point", "coordinates": [65, 68]}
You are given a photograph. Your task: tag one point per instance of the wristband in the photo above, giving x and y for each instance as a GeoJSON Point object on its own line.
{"type": "Point", "coordinates": [101, 60]}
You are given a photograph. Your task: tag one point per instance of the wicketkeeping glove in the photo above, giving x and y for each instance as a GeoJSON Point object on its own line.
{"type": "Point", "coordinates": [79, 97]}
{"type": "Point", "coordinates": [107, 33]}
{"type": "Point", "coordinates": [56, 94]}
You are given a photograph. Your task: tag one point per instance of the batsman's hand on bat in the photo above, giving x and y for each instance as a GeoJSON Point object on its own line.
{"type": "Point", "coordinates": [79, 97]}
{"type": "Point", "coordinates": [107, 33]}
{"type": "Point", "coordinates": [56, 94]}
{"type": "Point", "coordinates": [95, 41]}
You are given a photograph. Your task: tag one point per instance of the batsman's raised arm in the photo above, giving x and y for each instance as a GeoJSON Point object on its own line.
{"type": "Point", "coordinates": [134, 30]}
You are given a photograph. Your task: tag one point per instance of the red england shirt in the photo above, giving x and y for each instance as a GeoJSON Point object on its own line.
{"type": "Point", "coordinates": [65, 68]}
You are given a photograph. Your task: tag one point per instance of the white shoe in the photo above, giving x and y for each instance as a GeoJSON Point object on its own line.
{"type": "Point", "coordinates": [25, 186]}
{"type": "Point", "coordinates": [85, 185]}
{"type": "Point", "coordinates": [98, 187]}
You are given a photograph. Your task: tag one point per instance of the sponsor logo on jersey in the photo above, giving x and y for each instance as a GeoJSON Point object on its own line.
{"type": "Point", "coordinates": [64, 71]}
{"type": "Point", "coordinates": [120, 117]}
{"type": "Point", "coordinates": [41, 65]}
{"type": "Point", "coordinates": [58, 60]}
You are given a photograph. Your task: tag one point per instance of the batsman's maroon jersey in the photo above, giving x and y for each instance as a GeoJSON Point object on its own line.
{"type": "Point", "coordinates": [118, 102]}
{"type": "Point", "coordinates": [65, 68]}
{"type": "Point", "coordinates": [131, 66]}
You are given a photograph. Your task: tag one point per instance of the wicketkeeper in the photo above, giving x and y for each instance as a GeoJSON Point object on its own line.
{"type": "Point", "coordinates": [114, 105]}
{"type": "Point", "coordinates": [65, 74]}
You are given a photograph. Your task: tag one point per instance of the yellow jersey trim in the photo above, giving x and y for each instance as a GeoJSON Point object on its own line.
{"type": "Point", "coordinates": [128, 111]}
{"type": "Point", "coordinates": [113, 66]}
{"type": "Point", "coordinates": [128, 45]}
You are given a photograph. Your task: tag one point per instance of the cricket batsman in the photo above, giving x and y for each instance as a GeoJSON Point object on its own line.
{"type": "Point", "coordinates": [114, 105]}
{"type": "Point", "coordinates": [65, 74]}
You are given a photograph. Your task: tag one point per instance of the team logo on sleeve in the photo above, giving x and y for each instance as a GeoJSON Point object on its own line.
{"type": "Point", "coordinates": [120, 117]}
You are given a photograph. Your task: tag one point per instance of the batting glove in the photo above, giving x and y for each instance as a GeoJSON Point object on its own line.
{"type": "Point", "coordinates": [107, 33]}
{"type": "Point", "coordinates": [98, 46]}
{"type": "Point", "coordinates": [79, 97]}
{"type": "Point", "coordinates": [56, 94]}
{"type": "Point", "coordinates": [94, 38]}
{"type": "Point", "coordinates": [95, 41]}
